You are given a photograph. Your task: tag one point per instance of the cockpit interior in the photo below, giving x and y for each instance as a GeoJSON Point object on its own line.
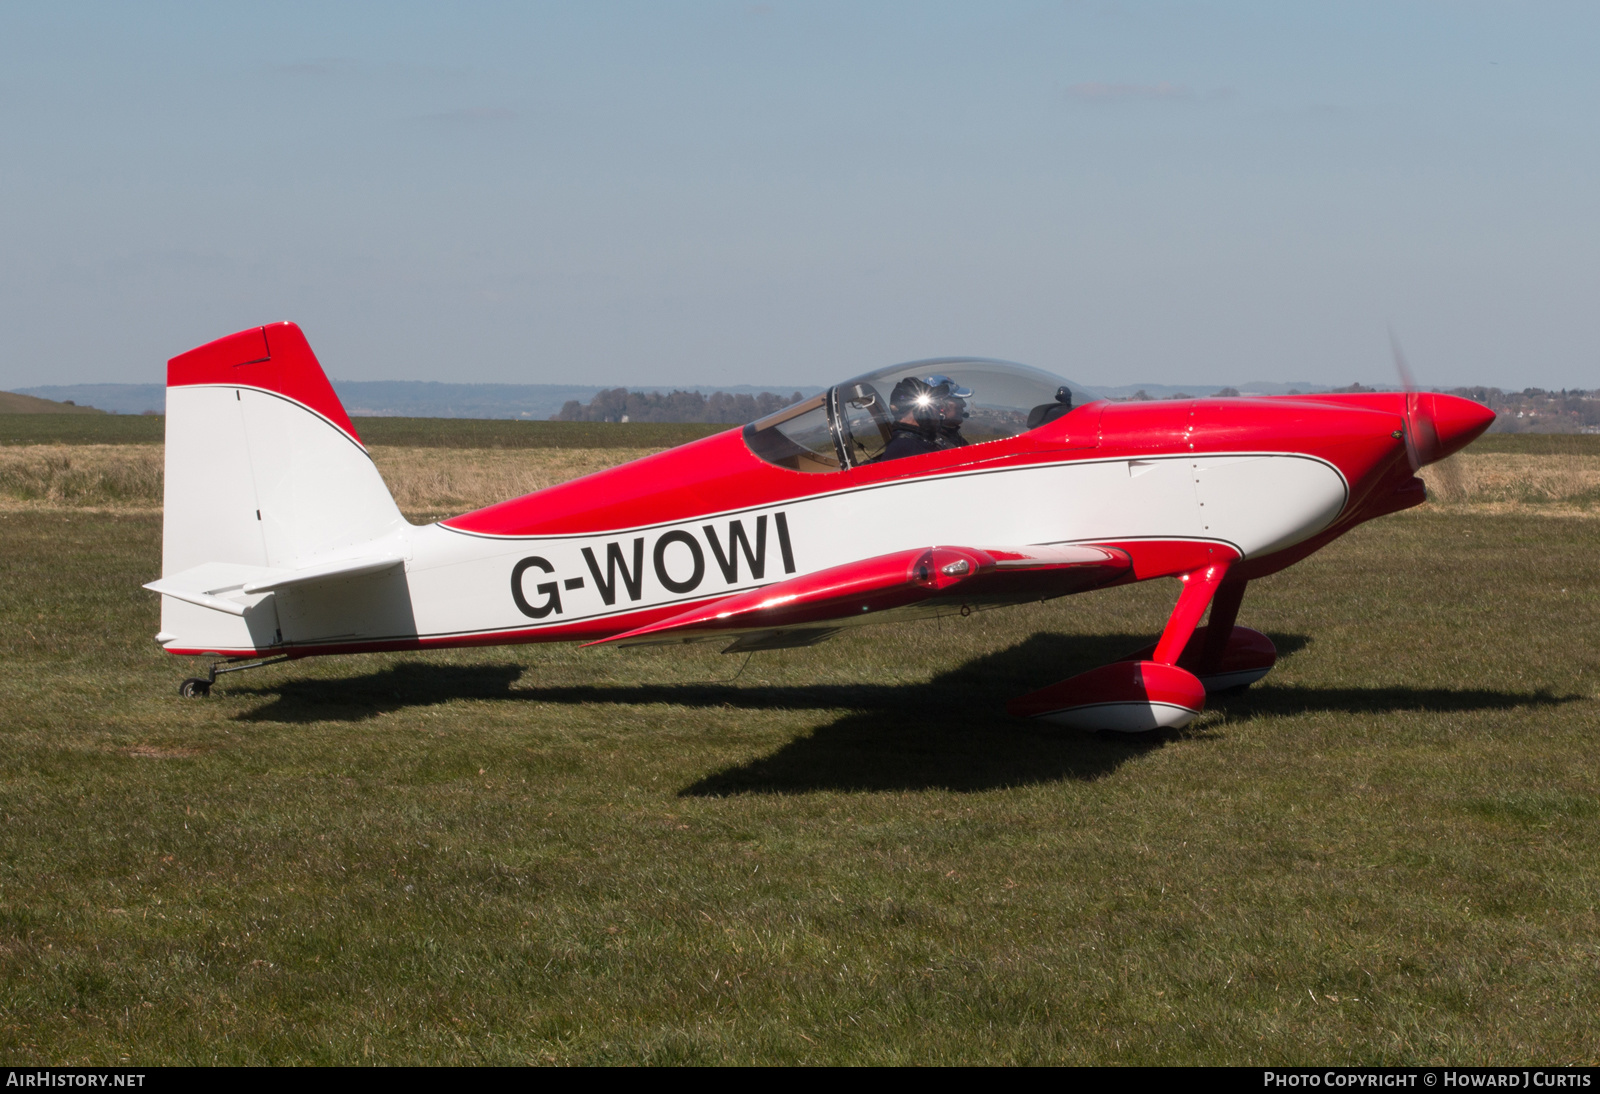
{"type": "Point", "coordinates": [852, 424]}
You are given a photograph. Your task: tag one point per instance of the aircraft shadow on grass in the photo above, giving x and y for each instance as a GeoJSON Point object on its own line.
{"type": "Point", "coordinates": [950, 732]}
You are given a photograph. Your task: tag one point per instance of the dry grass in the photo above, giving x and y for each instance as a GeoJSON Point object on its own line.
{"type": "Point", "coordinates": [423, 480]}
{"type": "Point", "coordinates": [93, 476]}
{"type": "Point", "coordinates": [458, 479]}
{"type": "Point", "coordinates": [440, 481]}
{"type": "Point", "coordinates": [1554, 484]}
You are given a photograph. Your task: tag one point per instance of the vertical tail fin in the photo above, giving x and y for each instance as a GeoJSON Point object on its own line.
{"type": "Point", "coordinates": [263, 469]}
{"type": "Point", "coordinates": [263, 466]}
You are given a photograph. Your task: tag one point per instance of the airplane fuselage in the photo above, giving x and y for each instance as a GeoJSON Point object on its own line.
{"type": "Point", "coordinates": [1176, 485]}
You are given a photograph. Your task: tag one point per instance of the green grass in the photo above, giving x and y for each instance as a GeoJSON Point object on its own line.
{"type": "Point", "coordinates": [1387, 851]}
{"type": "Point", "coordinates": [1539, 444]}
{"type": "Point", "coordinates": [16, 429]}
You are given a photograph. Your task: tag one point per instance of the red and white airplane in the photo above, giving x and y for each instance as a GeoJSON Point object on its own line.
{"type": "Point", "coordinates": [281, 540]}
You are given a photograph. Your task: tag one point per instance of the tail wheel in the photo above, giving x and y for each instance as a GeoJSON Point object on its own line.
{"type": "Point", "coordinates": [194, 688]}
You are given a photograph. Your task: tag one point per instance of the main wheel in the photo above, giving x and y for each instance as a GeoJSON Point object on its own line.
{"type": "Point", "coordinates": [194, 688]}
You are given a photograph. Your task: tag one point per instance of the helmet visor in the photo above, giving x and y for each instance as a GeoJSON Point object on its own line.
{"type": "Point", "coordinates": [944, 386]}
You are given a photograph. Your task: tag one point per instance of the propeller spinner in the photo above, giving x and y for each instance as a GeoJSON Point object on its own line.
{"type": "Point", "coordinates": [1422, 436]}
{"type": "Point", "coordinates": [1437, 425]}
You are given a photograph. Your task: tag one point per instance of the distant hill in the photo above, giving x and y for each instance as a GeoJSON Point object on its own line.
{"type": "Point", "coordinates": [417, 399]}
{"type": "Point", "coordinates": [1205, 391]}
{"type": "Point", "coordinates": [12, 402]}
{"type": "Point", "coordinates": [723, 408]}
{"type": "Point", "coordinates": [113, 398]}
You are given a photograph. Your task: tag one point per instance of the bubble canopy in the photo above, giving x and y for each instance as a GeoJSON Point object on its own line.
{"type": "Point", "coordinates": [851, 423]}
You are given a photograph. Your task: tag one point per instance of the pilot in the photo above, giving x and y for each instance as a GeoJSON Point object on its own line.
{"type": "Point", "coordinates": [928, 412]}
{"type": "Point", "coordinates": [952, 411]}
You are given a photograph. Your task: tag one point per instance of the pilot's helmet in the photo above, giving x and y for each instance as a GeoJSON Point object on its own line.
{"type": "Point", "coordinates": [923, 391]}
{"type": "Point", "coordinates": [915, 397]}
{"type": "Point", "coordinates": [949, 394]}
{"type": "Point", "coordinates": [924, 397]}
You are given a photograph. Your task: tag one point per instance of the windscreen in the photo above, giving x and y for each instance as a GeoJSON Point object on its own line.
{"type": "Point", "coordinates": [1004, 395]}
{"type": "Point", "coordinates": [799, 437]}
{"type": "Point", "coordinates": [949, 402]}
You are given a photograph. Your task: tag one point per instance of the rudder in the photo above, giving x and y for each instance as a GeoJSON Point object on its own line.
{"type": "Point", "coordinates": [263, 466]}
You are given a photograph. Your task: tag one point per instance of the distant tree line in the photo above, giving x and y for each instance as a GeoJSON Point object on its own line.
{"type": "Point", "coordinates": [621, 405]}
{"type": "Point", "coordinates": [1531, 410]}
{"type": "Point", "coordinates": [1535, 410]}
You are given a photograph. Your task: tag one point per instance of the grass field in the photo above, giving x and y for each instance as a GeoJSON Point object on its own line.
{"type": "Point", "coordinates": [1389, 850]}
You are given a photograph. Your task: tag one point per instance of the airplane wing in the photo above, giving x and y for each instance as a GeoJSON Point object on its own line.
{"type": "Point", "coordinates": [921, 582]}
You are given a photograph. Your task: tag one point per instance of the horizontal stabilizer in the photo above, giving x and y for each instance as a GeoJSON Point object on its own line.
{"type": "Point", "coordinates": [917, 582]}
{"type": "Point", "coordinates": [354, 567]}
{"type": "Point", "coordinates": [210, 585]}
{"type": "Point", "coordinates": [220, 585]}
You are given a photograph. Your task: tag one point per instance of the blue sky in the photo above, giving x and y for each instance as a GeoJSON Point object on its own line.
{"type": "Point", "coordinates": [791, 193]}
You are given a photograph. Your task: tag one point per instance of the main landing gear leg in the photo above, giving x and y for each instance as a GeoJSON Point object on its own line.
{"type": "Point", "coordinates": [1219, 628]}
{"type": "Point", "coordinates": [198, 687]}
{"type": "Point", "coordinates": [1134, 696]}
{"type": "Point", "coordinates": [1198, 589]}
{"type": "Point", "coordinates": [1225, 656]}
